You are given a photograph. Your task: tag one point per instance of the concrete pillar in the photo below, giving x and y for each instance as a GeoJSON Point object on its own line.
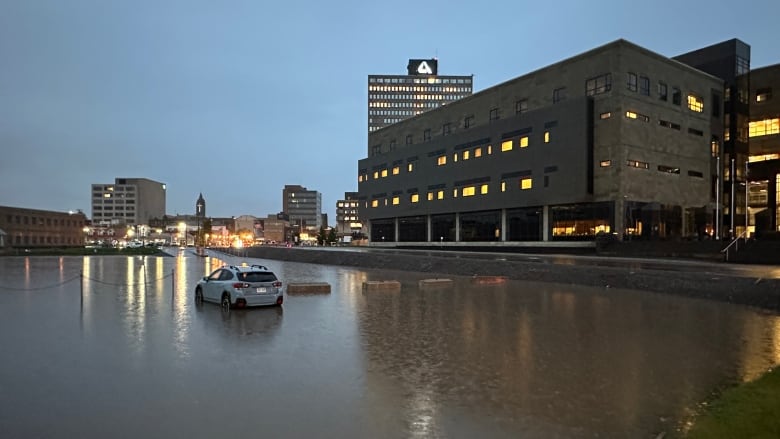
{"type": "Point", "coordinates": [396, 229]}
{"type": "Point", "coordinates": [546, 223]}
{"type": "Point", "coordinates": [620, 217]}
{"type": "Point", "coordinates": [503, 225]}
{"type": "Point", "coordinates": [428, 228]}
{"type": "Point", "coordinates": [457, 226]}
{"type": "Point", "coordinates": [771, 201]}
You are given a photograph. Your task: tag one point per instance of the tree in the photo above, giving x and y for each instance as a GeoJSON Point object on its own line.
{"type": "Point", "coordinates": [332, 236]}
{"type": "Point", "coordinates": [321, 237]}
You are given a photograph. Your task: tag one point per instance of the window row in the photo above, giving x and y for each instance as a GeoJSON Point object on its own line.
{"type": "Point", "coordinates": [664, 123]}
{"type": "Point", "coordinates": [645, 165]}
{"type": "Point", "coordinates": [764, 127]}
{"type": "Point", "coordinates": [415, 97]}
{"type": "Point", "coordinates": [393, 88]}
{"type": "Point", "coordinates": [41, 221]}
{"type": "Point", "coordinates": [40, 240]}
{"type": "Point", "coordinates": [524, 183]}
{"type": "Point", "coordinates": [425, 80]}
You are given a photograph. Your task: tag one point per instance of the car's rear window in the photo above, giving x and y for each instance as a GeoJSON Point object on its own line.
{"type": "Point", "coordinates": [254, 276]}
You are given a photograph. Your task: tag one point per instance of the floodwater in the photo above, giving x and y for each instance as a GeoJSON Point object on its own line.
{"type": "Point", "coordinates": [124, 352]}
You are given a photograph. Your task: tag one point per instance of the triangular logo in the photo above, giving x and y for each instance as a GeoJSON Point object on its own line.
{"type": "Point", "coordinates": [424, 69]}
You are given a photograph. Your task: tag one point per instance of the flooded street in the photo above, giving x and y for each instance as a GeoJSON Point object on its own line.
{"type": "Point", "coordinates": [130, 355]}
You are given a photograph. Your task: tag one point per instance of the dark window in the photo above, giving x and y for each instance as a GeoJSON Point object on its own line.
{"type": "Point", "coordinates": [663, 91]}
{"type": "Point", "coordinates": [715, 105]}
{"type": "Point", "coordinates": [408, 139]}
{"type": "Point", "coordinates": [695, 174]}
{"type": "Point", "coordinates": [376, 149]}
{"type": "Point", "coordinates": [468, 121]}
{"type": "Point", "coordinates": [546, 180]}
{"type": "Point", "coordinates": [521, 106]}
{"type": "Point", "coordinates": [598, 85]}
{"type": "Point", "coordinates": [644, 85]}
{"type": "Point", "coordinates": [392, 145]}
{"type": "Point", "coordinates": [695, 132]}
{"type": "Point", "coordinates": [676, 96]}
{"type": "Point", "coordinates": [559, 94]}
{"type": "Point", "coordinates": [668, 169]}
{"type": "Point", "coordinates": [494, 114]}
{"type": "Point", "coordinates": [427, 135]}
{"type": "Point", "coordinates": [445, 129]}
{"type": "Point", "coordinates": [631, 82]}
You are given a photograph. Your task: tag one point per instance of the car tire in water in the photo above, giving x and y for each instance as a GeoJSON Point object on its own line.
{"type": "Point", "coordinates": [226, 302]}
{"type": "Point", "coordinates": [198, 296]}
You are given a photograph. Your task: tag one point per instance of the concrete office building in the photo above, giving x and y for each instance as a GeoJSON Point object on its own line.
{"type": "Point", "coordinates": [393, 98]}
{"type": "Point", "coordinates": [128, 201]}
{"type": "Point", "coordinates": [303, 207]}
{"type": "Point", "coordinates": [764, 157]}
{"type": "Point", "coordinates": [617, 140]}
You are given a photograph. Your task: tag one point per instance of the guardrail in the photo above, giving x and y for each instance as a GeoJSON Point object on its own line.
{"type": "Point", "coordinates": [735, 244]}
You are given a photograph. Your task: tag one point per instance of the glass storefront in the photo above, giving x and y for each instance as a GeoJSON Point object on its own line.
{"type": "Point", "coordinates": [443, 227]}
{"type": "Point", "coordinates": [413, 229]}
{"type": "Point", "coordinates": [524, 224]}
{"type": "Point", "coordinates": [383, 230]}
{"type": "Point", "coordinates": [480, 226]}
{"type": "Point", "coordinates": [581, 222]}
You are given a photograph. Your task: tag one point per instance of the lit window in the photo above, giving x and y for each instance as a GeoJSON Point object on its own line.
{"type": "Point", "coordinates": [525, 183]}
{"type": "Point", "coordinates": [376, 175]}
{"type": "Point", "coordinates": [478, 152]}
{"type": "Point", "coordinates": [384, 173]}
{"type": "Point", "coordinates": [410, 167]}
{"type": "Point", "coordinates": [469, 191]}
{"type": "Point", "coordinates": [414, 198]}
{"type": "Point", "coordinates": [455, 157]}
{"type": "Point", "coordinates": [430, 196]}
{"type": "Point", "coordinates": [455, 193]}
{"type": "Point", "coordinates": [440, 195]}
{"type": "Point", "coordinates": [524, 142]}
{"type": "Point", "coordinates": [637, 164]}
{"type": "Point", "coordinates": [606, 115]}
{"type": "Point", "coordinates": [396, 201]}
{"type": "Point", "coordinates": [490, 149]}
{"type": "Point", "coordinates": [695, 103]}
{"type": "Point", "coordinates": [106, 195]}
{"type": "Point", "coordinates": [605, 163]}
{"type": "Point", "coordinates": [506, 145]}
{"type": "Point", "coordinates": [763, 95]}
{"type": "Point", "coordinates": [360, 179]}
{"type": "Point", "coordinates": [396, 170]}
{"type": "Point", "coordinates": [483, 189]}
{"type": "Point", "coordinates": [546, 137]}
{"type": "Point", "coordinates": [503, 186]}
{"type": "Point", "coordinates": [442, 160]}
{"type": "Point", "coordinates": [630, 115]}
{"type": "Point", "coordinates": [374, 203]}
{"type": "Point", "coordinates": [466, 154]}
{"type": "Point", "coordinates": [764, 127]}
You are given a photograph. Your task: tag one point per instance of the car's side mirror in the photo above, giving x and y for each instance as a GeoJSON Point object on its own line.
{"type": "Point", "coordinates": [206, 278]}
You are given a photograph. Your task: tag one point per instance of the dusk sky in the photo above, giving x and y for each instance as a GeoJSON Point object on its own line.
{"type": "Point", "coordinates": [235, 99]}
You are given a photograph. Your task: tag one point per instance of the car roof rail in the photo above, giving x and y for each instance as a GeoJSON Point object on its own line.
{"type": "Point", "coordinates": [262, 267]}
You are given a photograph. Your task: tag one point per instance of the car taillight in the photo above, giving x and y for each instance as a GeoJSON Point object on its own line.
{"type": "Point", "coordinates": [240, 285]}
{"type": "Point", "coordinates": [277, 284]}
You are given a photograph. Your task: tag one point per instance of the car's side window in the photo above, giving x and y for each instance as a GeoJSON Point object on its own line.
{"type": "Point", "coordinates": [215, 275]}
{"type": "Point", "coordinates": [226, 275]}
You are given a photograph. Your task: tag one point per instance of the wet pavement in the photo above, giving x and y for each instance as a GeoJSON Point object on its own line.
{"type": "Point", "coordinates": [130, 355]}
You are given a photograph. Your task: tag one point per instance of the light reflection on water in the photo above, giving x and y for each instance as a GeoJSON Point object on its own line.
{"type": "Point", "coordinates": [538, 360]}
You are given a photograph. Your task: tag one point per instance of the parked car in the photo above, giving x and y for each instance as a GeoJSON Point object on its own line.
{"type": "Point", "coordinates": [240, 286]}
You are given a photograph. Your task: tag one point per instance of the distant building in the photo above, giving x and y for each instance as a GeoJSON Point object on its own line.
{"type": "Point", "coordinates": [347, 219]}
{"type": "Point", "coordinates": [303, 207]}
{"type": "Point", "coordinates": [393, 98]}
{"type": "Point", "coordinates": [276, 229]}
{"type": "Point", "coordinates": [127, 201]}
{"type": "Point", "coordinates": [200, 206]}
{"type": "Point", "coordinates": [41, 228]}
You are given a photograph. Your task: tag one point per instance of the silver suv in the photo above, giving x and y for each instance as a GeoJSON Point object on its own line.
{"type": "Point", "coordinates": [240, 286]}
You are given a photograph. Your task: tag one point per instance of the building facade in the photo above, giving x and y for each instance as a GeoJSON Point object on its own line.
{"type": "Point", "coordinates": [128, 201]}
{"type": "Point", "coordinates": [303, 207]}
{"type": "Point", "coordinates": [31, 228]}
{"type": "Point", "coordinates": [393, 98]}
{"type": "Point", "coordinates": [347, 218]}
{"type": "Point", "coordinates": [615, 141]}
{"type": "Point", "coordinates": [764, 157]}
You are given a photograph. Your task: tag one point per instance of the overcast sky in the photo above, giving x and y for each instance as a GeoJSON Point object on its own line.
{"type": "Point", "coordinates": [235, 99]}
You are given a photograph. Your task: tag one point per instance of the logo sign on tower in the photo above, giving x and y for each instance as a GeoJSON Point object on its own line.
{"type": "Point", "coordinates": [423, 66]}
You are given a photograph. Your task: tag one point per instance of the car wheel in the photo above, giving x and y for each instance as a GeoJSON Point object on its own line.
{"type": "Point", "coordinates": [198, 296]}
{"type": "Point", "coordinates": [226, 302]}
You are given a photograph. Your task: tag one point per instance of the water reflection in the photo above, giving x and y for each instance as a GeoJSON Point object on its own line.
{"type": "Point", "coordinates": [518, 359]}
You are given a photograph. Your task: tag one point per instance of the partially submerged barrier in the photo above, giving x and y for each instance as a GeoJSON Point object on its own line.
{"type": "Point", "coordinates": [382, 285]}
{"type": "Point", "coordinates": [308, 288]}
